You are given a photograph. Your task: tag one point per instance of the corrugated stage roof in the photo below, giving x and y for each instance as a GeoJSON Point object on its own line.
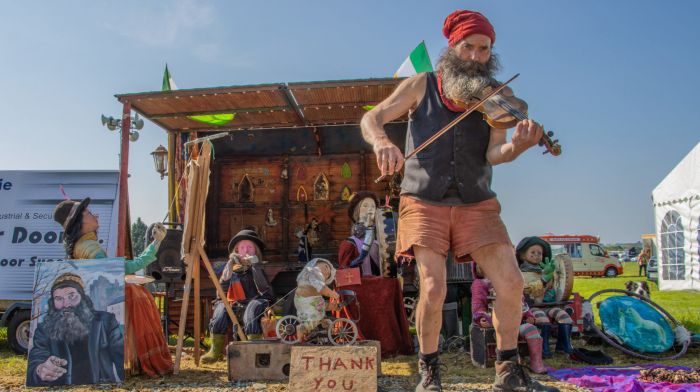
{"type": "Point", "coordinates": [278, 105]}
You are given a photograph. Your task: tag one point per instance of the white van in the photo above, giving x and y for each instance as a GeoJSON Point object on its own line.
{"type": "Point", "coordinates": [587, 255]}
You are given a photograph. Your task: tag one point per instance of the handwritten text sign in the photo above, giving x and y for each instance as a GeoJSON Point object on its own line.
{"type": "Point", "coordinates": [327, 368]}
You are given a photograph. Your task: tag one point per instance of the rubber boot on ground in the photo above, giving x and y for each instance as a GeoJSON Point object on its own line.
{"type": "Point", "coordinates": [216, 350]}
{"type": "Point", "coordinates": [564, 339]}
{"type": "Point", "coordinates": [534, 348]}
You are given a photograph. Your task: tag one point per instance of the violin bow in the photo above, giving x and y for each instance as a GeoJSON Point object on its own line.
{"type": "Point", "coordinates": [452, 123]}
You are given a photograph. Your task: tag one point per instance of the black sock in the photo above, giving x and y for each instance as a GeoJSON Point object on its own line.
{"type": "Point", "coordinates": [507, 355]}
{"type": "Point", "coordinates": [428, 358]}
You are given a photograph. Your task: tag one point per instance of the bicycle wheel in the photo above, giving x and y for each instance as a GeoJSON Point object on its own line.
{"type": "Point", "coordinates": [342, 332]}
{"type": "Point", "coordinates": [286, 329]}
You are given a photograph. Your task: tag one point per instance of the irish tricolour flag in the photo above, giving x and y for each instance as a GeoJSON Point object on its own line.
{"type": "Point", "coordinates": [418, 61]}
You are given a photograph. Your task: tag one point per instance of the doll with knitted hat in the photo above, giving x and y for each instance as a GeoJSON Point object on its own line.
{"type": "Point", "coordinates": [534, 257]}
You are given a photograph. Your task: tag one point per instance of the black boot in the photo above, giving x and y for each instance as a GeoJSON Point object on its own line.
{"type": "Point", "coordinates": [564, 339]}
{"type": "Point", "coordinates": [511, 377]}
{"type": "Point", "coordinates": [545, 330]}
{"type": "Point", "coordinates": [429, 375]}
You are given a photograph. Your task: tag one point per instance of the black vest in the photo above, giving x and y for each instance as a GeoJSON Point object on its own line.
{"type": "Point", "coordinates": [457, 158]}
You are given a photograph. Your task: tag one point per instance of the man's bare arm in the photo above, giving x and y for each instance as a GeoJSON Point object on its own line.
{"type": "Point", "coordinates": [527, 134]}
{"type": "Point", "coordinates": [406, 97]}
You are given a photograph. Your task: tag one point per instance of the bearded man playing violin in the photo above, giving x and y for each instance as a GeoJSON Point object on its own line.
{"type": "Point", "coordinates": [446, 197]}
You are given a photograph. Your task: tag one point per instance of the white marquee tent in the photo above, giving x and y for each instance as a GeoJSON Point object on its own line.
{"type": "Point", "coordinates": [676, 203]}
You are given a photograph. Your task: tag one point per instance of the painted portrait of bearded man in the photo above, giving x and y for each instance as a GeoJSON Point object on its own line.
{"type": "Point", "coordinates": [75, 344]}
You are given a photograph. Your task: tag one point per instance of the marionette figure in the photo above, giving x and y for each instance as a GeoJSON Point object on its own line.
{"type": "Point", "coordinates": [304, 250]}
{"type": "Point", "coordinates": [361, 248]}
{"type": "Point", "coordinates": [534, 257]}
{"type": "Point", "coordinates": [482, 292]}
{"type": "Point", "coordinates": [313, 285]}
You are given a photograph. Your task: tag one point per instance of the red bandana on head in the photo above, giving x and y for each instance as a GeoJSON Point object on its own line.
{"type": "Point", "coordinates": [462, 23]}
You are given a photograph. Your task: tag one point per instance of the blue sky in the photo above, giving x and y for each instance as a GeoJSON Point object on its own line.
{"type": "Point", "coordinates": [616, 81]}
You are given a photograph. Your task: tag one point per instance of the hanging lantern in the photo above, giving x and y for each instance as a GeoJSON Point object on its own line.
{"type": "Point", "coordinates": [160, 155]}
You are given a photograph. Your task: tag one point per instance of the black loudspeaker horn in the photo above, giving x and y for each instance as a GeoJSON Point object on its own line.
{"type": "Point", "coordinates": [169, 266]}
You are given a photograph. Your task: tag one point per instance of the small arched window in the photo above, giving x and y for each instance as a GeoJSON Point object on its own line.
{"type": "Point", "coordinates": [246, 190]}
{"type": "Point", "coordinates": [321, 187]}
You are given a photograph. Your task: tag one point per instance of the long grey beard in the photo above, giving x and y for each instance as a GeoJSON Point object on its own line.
{"type": "Point", "coordinates": [463, 80]}
{"type": "Point", "coordinates": [69, 324]}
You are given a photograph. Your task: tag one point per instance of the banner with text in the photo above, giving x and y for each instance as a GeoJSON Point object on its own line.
{"type": "Point", "coordinates": [28, 233]}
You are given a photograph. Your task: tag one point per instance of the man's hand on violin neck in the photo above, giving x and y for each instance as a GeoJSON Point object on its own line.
{"type": "Point", "coordinates": [527, 134]}
{"type": "Point", "coordinates": [389, 157]}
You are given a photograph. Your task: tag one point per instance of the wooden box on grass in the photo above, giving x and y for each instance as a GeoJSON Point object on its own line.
{"type": "Point", "coordinates": [258, 360]}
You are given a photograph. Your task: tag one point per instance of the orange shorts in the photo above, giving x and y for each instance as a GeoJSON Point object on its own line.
{"type": "Point", "coordinates": [462, 229]}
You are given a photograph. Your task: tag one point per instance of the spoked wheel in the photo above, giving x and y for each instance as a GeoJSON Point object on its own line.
{"type": "Point", "coordinates": [287, 329]}
{"type": "Point", "coordinates": [342, 332]}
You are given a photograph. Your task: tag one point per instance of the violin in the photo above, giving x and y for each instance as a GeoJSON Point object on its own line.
{"type": "Point", "coordinates": [504, 110]}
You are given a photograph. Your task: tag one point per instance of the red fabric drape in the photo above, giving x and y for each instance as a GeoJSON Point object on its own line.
{"type": "Point", "coordinates": [144, 334]}
{"type": "Point", "coordinates": [382, 315]}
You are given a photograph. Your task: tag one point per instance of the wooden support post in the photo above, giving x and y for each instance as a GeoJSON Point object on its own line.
{"type": "Point", "coordinates": [197, 310]}
{"type": "Point", "coordinates": [123, 180]}
{"type": "Point", "coordinates": [172, 178]}
{"type": "Point", "coordinates": [183, 313]}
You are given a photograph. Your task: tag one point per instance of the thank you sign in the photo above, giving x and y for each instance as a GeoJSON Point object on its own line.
{"type": "Point", "coordinates": [329, 368]}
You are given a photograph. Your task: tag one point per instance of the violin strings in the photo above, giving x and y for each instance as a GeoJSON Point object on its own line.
{"type": "Point", "coordinates": [513, 111]}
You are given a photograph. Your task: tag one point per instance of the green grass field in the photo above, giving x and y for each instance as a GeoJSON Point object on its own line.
{"type": "Point", "coordinates": [11, 364]}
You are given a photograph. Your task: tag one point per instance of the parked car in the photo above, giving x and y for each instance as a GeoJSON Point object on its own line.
{"type": "Point", "coordinates": [653, 270]}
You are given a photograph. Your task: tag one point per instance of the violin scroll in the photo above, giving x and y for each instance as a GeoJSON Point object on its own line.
{"type": "Point", "coordinates": [551, 146]}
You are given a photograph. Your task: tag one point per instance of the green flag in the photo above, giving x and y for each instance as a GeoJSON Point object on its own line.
{"type": "Point", "coordinates": [418, 61]}
{"type": "Point", "coordinates": [168, 83]}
